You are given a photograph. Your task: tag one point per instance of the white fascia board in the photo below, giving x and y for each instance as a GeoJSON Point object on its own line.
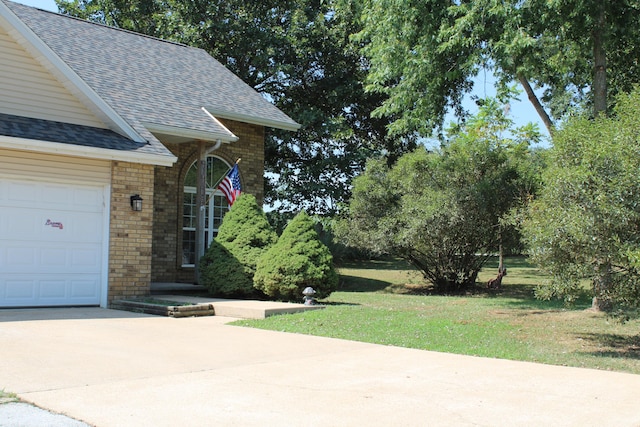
{"type": "Point", "coordinates": [246, 118]}
{"type": "Point", "coordinates": [219, 123]}
{"type": "Point", "coordinates": [48, 147]}
{"type": "Point", "coordinates": [69, 79]}
{"type": "Point", "coordinates": [193, 134]}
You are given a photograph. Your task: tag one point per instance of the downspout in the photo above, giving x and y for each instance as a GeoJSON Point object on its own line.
{"type": "Point", "coordinates": [215, 147]}
{"type": "Point", "coordinates": [201, 201]}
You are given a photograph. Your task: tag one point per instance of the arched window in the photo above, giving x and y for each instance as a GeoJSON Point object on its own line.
{"type": "Point", "coordinates": [216, 207]}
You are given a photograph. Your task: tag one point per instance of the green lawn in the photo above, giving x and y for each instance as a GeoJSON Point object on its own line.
{"type": "Point", "coordinates": [387, 302]}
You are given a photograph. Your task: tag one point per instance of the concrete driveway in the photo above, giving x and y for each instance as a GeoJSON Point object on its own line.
{"type": "Point", "coordinates": [113, 368]}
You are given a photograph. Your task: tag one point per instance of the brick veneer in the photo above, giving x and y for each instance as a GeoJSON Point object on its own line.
{"type": "Point", "coordinates": [130, 232]}
{"type": "Point", "coordinates": [168, 195]}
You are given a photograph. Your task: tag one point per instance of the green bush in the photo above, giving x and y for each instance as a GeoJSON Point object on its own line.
{"type": "Point", "coordinates": [228, 266]}
{"type": "Point", "coordinates": [296, 261]}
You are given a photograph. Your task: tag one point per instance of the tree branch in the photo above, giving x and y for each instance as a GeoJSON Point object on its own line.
{"type": "Point", "coordinates": [536, 103]}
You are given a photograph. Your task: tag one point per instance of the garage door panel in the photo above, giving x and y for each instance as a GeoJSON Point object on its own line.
{"type": "Point", "coordinates": [17, 226]}
{"type": "Point", "coordinates": [51, 243]}
{"type": "Point", "coordinates": [42, 291]}
{"type": "Point", "coordinates": [88, 200]}
{"type": "Point", "coordinates": [19, 258]}
{"type": "Point", "coordinates": [16, 289]}
{"type": "Point", "coordinates": [53, 257]}
{"type": "Point", "coordinates": [54, 196]}
{"type": "Point", "coordinates": [20, 192]}
{"type": "Point", "coordinates": [85, 259]}
{"type": "Point", "coordinates": [85, 288]}
{"type": "Point", "coordinates": [50, 259]}
{"type": "Point", "coordinates": [50, 225]}
{"type": "Point", "coordinates": [82, 227]}
{"type": "Point", "coordinates": [52, 289]}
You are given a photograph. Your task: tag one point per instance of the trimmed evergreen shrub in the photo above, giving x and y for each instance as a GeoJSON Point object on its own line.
{"type": "Point", "coordinates": [228, 266]}
{"type": "Point", "coordinates": [296, 261]}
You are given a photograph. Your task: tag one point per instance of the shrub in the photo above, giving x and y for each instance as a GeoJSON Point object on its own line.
{"type": "Point", "coordinates": [228, 266]}
{"type": "Point", "coordinates": [296, 261]}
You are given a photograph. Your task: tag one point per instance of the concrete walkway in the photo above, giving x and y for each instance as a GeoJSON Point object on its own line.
{"type": "Point", "coordinates": [113, 368]}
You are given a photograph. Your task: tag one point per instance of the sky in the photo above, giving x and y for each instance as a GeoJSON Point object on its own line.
{"type": "Point", "coordinates": [41, 4]}
{"type": "Point", "coordinates": [521, 111]}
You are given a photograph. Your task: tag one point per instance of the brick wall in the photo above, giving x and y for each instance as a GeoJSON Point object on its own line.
{"type": "Point", "coordinates": [168, 195]}
{"type": "Point", "coordinates": [130, 232]}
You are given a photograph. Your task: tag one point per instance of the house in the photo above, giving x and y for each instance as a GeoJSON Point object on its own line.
{"type": "Point", "coordinates": [92, 119]}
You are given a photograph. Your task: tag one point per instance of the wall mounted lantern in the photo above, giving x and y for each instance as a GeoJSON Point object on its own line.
{"type": "Point", "coordinates": [136, 202]}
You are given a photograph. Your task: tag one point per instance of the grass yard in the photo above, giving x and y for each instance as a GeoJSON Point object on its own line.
{"type": "Point", "coordinates": [387, 302]}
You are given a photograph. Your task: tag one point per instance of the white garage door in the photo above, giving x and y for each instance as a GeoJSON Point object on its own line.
{"type": "Point", "coordinates": [51, 243]}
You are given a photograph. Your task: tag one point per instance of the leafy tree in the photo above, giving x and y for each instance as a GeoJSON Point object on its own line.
{"type": "Point", "coordinates": [315, 165]}
{"type": "Point", "coordinates": [424, 55]}
{"type": "Point", "coordinates": [586, 222]}
{"type": "Point", "coordinates": [296, 261]}
{"type": "Point", "coordinates": [443, 210]}
{"type": "Point", "coordinates": [299, 55]}
{"type": "Point", "coordinates": [228, 266]}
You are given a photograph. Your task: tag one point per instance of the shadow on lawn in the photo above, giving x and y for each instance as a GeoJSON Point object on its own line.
{"type": "Point", "coordinates": [613, 345]}
{"type": "Point", "coordinates": [338, 303]}
{"type": "Point", "coordinates": [393, 264]}
{"type": "Point", "coordinates": [518, 288]}
{"type": "Point", "coordinates": [361, 284]}
{"type": "Point", "coordinates": [523, 297]}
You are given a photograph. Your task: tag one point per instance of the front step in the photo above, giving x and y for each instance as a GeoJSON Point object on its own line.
{"type": "Point", "coordinates": [161, 308]}
{"type": "Point", "coordinates": [185, 305]}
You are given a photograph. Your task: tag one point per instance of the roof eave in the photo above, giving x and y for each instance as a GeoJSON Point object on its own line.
{"type": "Point", "coordinates": [191, 134]}
{"type": "Point", "coordinates": [85, 151]}
{"type": "Point", "coordinates": [248, 118]}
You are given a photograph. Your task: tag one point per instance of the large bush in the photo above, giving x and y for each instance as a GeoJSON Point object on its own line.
{"type": "Point", "coordinates": [585, 225]}
{"type": "Point", "coordinates": [228, 266]}
{"type": "Point", "coordinates": [444, 210]}
{"type": "Point", "coordinates": [296, 261]}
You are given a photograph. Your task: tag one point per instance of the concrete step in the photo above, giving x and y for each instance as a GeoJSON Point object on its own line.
{"type": "Point", "coordinates": [243, 309]}
{"type": "Point", "coordinates": [188, 305]}
{"type": "Point", "coordinates": [163, 307]}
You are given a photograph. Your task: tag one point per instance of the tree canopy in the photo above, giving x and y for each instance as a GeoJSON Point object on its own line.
{"type": "Point", "coordinates": [424, 55]}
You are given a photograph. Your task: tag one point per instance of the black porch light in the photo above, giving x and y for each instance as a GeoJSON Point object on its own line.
{"type": "Point", "coordinates": [136, 203]}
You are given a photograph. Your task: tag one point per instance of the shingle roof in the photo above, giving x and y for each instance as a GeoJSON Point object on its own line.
{"type": "Point", "coordinates": [148, 81]}
{"type": "Point", "coordinates": [66, 133]}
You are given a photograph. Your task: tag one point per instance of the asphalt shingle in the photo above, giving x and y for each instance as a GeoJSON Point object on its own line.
{"type": "Point", "coordinates": [46, 130]}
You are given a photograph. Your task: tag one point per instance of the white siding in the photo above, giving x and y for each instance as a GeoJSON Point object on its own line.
{"type": "Point", "coordinates": [28, 89]}
{"type": "Point", "coordinates": [23, 164]}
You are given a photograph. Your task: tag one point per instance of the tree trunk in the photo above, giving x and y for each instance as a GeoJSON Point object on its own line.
{"type": "Point", "coordinates": [536, 103]}
{"type": "Point", "coordinates": [599, 66]}
{"type": "Point", "coordinates": [601, 284]}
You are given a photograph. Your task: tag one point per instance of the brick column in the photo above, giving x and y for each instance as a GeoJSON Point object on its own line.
{"type": "Point", "coordinates": [130, 232]}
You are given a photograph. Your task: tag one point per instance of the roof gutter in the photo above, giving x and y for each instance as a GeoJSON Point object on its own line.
{"type": "Point", "coordinates": [85, 151]}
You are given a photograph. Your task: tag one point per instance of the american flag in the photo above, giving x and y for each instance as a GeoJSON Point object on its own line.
{"type": "Point", "coordinates": [230, 185]}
